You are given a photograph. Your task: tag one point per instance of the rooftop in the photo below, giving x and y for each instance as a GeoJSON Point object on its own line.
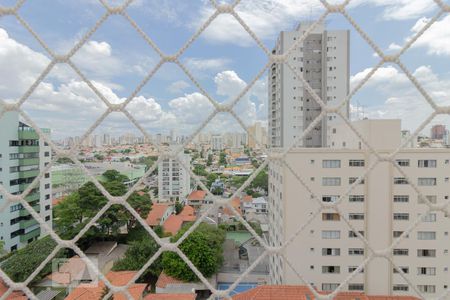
{"type": "Point", "coordinates": [155, 215]}
{"type": "Point", "coordinates": [197, 195]}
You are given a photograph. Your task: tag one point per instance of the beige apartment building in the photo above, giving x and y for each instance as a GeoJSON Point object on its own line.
{"type": "Point", "coordinates": [381, 208]}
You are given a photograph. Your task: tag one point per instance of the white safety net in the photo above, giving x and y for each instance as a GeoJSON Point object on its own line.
{"type": "Point", "coordinates": [227, 108]}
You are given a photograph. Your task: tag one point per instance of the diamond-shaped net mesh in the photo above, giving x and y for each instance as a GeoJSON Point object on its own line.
{"type": "Point", "coordinates": [275, 157]}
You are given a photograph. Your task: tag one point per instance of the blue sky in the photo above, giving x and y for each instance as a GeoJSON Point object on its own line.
{"type": "Point", "coordinates": [223, 59]}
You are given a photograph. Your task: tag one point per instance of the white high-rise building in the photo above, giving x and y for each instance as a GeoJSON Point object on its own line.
{"type": "Point", "coordinates": [323, 60]}
{"type": "Point", "coordinates": [217, 142]}
{"type": "Point", "coordinates": [173, 180]}
{"type": "Point", "coordinates": [22, 156]}
{"type": "Point", "coordinates": [381, 208]}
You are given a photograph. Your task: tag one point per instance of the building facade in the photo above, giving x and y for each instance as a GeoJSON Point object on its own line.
{"type": "Point", "coordinates": [22, 156]}
{"type": "Point", "coordinates": [257, 137]}
{"type": "Point", "coordinates": [323, 61]}
{"type": "Point", "coordinates": [173, 180]}
{"type": "Point", "coordinates": [438, 132]}
{"type": "Point", "coordinates": [380, 207]}
{"type": "Point", "coordinates": [217, 142]}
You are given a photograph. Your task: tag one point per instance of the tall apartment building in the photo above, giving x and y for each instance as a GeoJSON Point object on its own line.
{"type": "Point", "coordinates": [438, 132]}
{"type": "Point", "coordinates": [22, 155]}
{"type": "Point", "coordinates": [381, 208]}
{"type": "Point", "coordinates": [173, 180]}
{"type": "Point", "coordinates": [257, 136]}
{"type": "Point", "coordinates": [217, 142]}
{"type": "Point", "coordinates": [323, 60]}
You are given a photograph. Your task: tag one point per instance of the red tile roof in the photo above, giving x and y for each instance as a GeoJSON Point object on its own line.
{"type": "Point", "coordinates": [300, 292]}
{"type": "Point", "coordinates": [247, 198]}
{"type": "Point", "coordinates": [187, 211]}
{"type": "Point", "coordinates": [90, 292]}
{"type": "Point", "coordinates": [156, 213]}
{"type": "Point", "coordinates": [71, 270]}
{"type": "Point", "coordinates": [15, 295]}
{"type": "Point", "coordinates": [174, 223]}
{"type": "Point", "coordinates": [164, 280]}
{"type": "Point", "coordinates": [236, 203]}
{"type": "Point", "coordinates": [170, 297]}
{"type": "Point", "coordinates": [197, 195]}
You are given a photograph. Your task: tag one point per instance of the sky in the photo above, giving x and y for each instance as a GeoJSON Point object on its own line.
{"type": "Point", "coordinates": [223, 60]}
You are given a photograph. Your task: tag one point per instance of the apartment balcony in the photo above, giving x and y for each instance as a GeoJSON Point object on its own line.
{"type": "Point", "coordinates": [28, 174]}
{"type": "Point", "coordinates": [28, 135]}
{"type": "Point", "coordinates": [33, 197]}
{"type": "Point", "coordinates": [28, 149]}
{"type": "Point", "coordinates": [24, 212]}
{"type": "Point", "coordinates": [32, 234]}
{"type": "Point", "coordinates": [28, 161]}
{"type": "Point", "coordinates": [27, 223]}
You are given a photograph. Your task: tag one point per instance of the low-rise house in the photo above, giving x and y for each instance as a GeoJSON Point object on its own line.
{"type": "Point", "coordinates": [196, 199]}
{"type": "Point", "coordinates": [174, 223]}
{"type": "Point", "coordinates": [301, 292]}
{"type": "Point", "coordinates": [96, 292]}
{"type": "Point", "coordinates": [104, 254]}
{"type": "Point", "coordinates": [169, 285]}
{"type": "Point", "coordinates": [159, 213]}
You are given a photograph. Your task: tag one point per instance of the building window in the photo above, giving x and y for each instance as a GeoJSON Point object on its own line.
{"type": "Point", "coordinates": [356, 287]}
{"type": "Point", "coordinates": [401, 216]}
{"type": "Point", "coordinates": [47, 154]}
{"type": "Point", "coordinates": [356, 198]}
{"type": "Point", "coordinates": [401, 198]}
{"type": "Point", "coordinates": [430, 217]}
{"type": "Point", "coordinates": [400, 287]}
{"type": "Point", "coordinates": [356, 251]}
{"type": "Point", "coordinates": [47, 175]}
{"type": "Point", "coordinates": [402, 162]}
{"type": "Point", "coordinates": [400, 180]}
{"type": "Point", "coordinates": [47, 207]}
{"type": "Point", "coordinates": [397, 234]}
{"type": "Point", "coordinates": [327, 163]}
{"type": "Point", "coordinates": [329, 199]}
{"type": "Point", "coordinates": [426, 288]}
{"type": "Point", "coordinates": [331, 181]}
{"type": "Point", "coordinates": [331, 251]}
{"type": "Point", "coordinates": [47, 218]}
{"type": "Point", "coordinates": [431, 271]}
{"type": "Point", "coordinates": [352, 269]}
{"type": "Point", "coordinates": [47, 186]}
{"type": "Point", "coordinates": [404, 270]}
{"type": "Point", "coordinates": [356, 216]}
{"type": "Point", "coordinates": [356, 163]}
{"type": "Point", "coordinates": [400, 252]}
{"type": "Point", "coordinates": [426, 235]}
{"type": "Point", "coordinates": [352, 180]}
{"type": "Point", "coordinates": [331, 269]}
{"type": "Point", "coordinates": [426, 252]}
{"type": "Point", "coordinates": [352, 234]}
{"type": "Point", "coordinates": [329, 287]}
{"type": "Point", "coordinates": [331, 234]}
{"type": "Point", "coordinates": [427, 163]}
{"type": "Point", "coordinates": [330, 217]}
{"type": "Point", "coordinates": [430, 198]}
{"type": "Point", "coordinates": [47, 197]}
{"type": "Point", "coordinates": [427, 181]}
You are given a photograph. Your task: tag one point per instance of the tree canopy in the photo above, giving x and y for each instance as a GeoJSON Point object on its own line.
{"type": "Point", "coordinates": [203, 247]}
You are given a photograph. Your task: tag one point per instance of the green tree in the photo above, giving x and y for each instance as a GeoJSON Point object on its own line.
{"type": "Point", "coordinates": [209, 160]}
{"type": "Point", "coordinates": [210, 179]}
{"type": "Point", "coordinates": [178, 206]}
{"type": "Point", "coordinates": [20, 264]}
{"type": "Point", "coordinates": [137, 255]}
{"type": "Point", "coordinates": [99, 156]}
{"type": "Point", "coordinates": [199, 170]}
{"type": "Point", "coordinates": [114, 175]}
{"type": "Point", "coordinates": [203, 247]}
{"type": "Point", "coordinates": [222, 159]}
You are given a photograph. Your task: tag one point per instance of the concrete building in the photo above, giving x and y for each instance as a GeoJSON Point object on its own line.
{"type": "Point", "coordinates": [217, 142]}
{"type": "Point", "coordinates": [257, 137]}
{"type": "Point", "coordinates": [381, 207]}
{"type": "Point", "coordinates": [323, 60]}
{"type": "Point", "coordinates": [22, 155]}
{"type": "Point", "coordinates": [438, 132]}
{"type": "Point", "coordinates": [173, 180]}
